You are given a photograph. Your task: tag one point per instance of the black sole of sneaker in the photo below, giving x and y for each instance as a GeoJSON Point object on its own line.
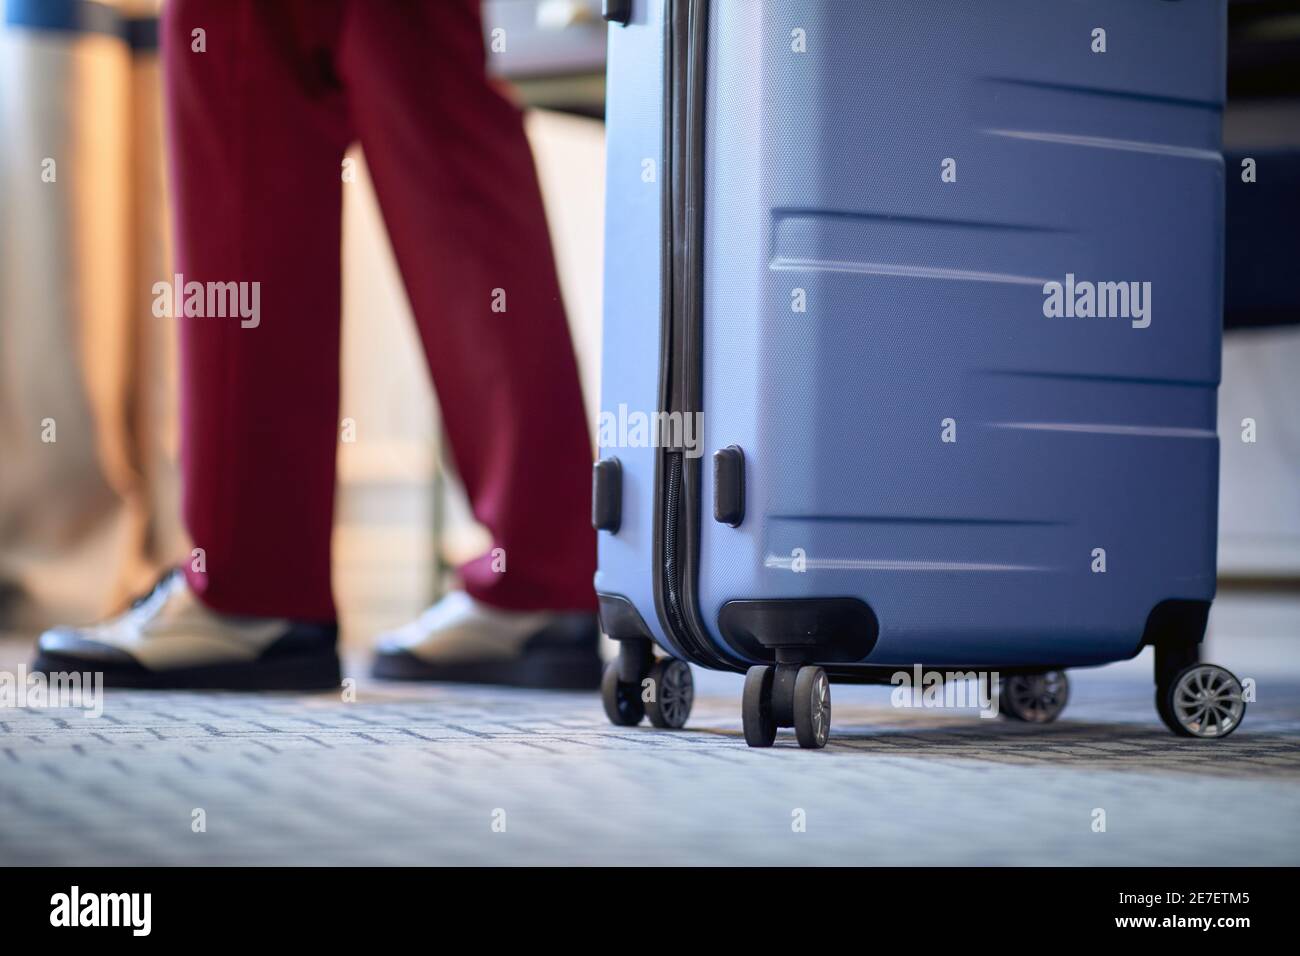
{"type": "Point", "coordinates": [300, 672]}
{"type": "Point", "coordinates": [548, 669]}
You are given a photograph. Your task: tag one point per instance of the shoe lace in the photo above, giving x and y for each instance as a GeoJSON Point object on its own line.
{"type": "Point", "coordinates": [148, 603]}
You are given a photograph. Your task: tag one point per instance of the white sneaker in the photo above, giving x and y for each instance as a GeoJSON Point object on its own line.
{"type": "Point", "coordinates": [463, 640]}
{"type": "Point", "coordinates": [170, 639]}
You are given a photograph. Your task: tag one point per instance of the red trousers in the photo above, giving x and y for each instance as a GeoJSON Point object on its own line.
{"type": "Point", "coordinates": [258, 123]}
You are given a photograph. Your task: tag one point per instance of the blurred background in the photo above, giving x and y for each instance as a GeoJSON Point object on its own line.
{"type": "Point", "coordinates": [87, 520]}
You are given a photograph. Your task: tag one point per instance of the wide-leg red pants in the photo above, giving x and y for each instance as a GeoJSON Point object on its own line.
{"type": "Point", "coordinates": [258, 123]}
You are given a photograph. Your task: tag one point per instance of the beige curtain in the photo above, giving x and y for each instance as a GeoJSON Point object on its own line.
{"type": "Point", "coordinates": [87, 433]}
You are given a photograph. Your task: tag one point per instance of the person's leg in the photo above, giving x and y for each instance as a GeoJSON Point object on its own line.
{"type": "Point", "coordinates": [256, 130]}
{"type": "Point", "coordinates": [460, 196]}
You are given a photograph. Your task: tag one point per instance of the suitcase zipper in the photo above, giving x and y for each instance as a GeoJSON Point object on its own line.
{"type": "Point", "coordinates": [678, 613]}
{"type": "Point", "coordinates": [672, 570]}
{"type": "Point", "coordinates": [684, 31]}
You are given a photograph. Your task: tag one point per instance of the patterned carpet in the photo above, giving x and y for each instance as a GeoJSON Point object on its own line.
{"type": "Point", "coordinates": [423, 775]}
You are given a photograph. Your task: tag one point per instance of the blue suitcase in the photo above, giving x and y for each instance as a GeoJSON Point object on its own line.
{"type": "Point", "coordinates": [912, 332]}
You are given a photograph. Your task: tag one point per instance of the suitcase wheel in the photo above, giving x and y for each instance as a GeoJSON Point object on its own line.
{"type": "Point", "coordinates": [1034, 698]}
{"type": "Point", "coordinates": [665, 694]}
{"type": "Point", "coordinates": [812, 708]}
{"type": "Point", "coordinates": [673, 694]}
{"type": "Point", "coordinates": [756, 707]}
{"type": "Point", "coordinates": [1203, 700]}
{"type": "Point", "coordinates": [623, 704]}
{"type": "Point", "coordinates": [786, 695]}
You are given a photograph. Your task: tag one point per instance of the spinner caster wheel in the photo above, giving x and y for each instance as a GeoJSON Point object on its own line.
{"type": "Point", "coordinates": [1034, 698]}
{"type": "Point", "coordinates": [812, 708]}
{"type": "Point", "coordinates": [674, 693]}
{"type": "Point", "coordinates": [1203, 700]}
{"type": "Point", "coordinates": [787, 696]}
{"type": "Point", "coordinates": [623, 704]}
{"type": "Point", "coordinates": [756, 706]}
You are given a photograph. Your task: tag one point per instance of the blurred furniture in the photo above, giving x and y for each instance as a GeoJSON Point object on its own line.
{"type": "Point", "coordinates": [553, 51]}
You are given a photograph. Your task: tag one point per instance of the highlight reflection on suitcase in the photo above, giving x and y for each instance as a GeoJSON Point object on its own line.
{"type": "Point", "coordinates": [912, 332]}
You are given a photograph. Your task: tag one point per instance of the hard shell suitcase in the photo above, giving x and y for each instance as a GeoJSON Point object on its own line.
{"type": "Point", "coordinates": [912, 331]}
